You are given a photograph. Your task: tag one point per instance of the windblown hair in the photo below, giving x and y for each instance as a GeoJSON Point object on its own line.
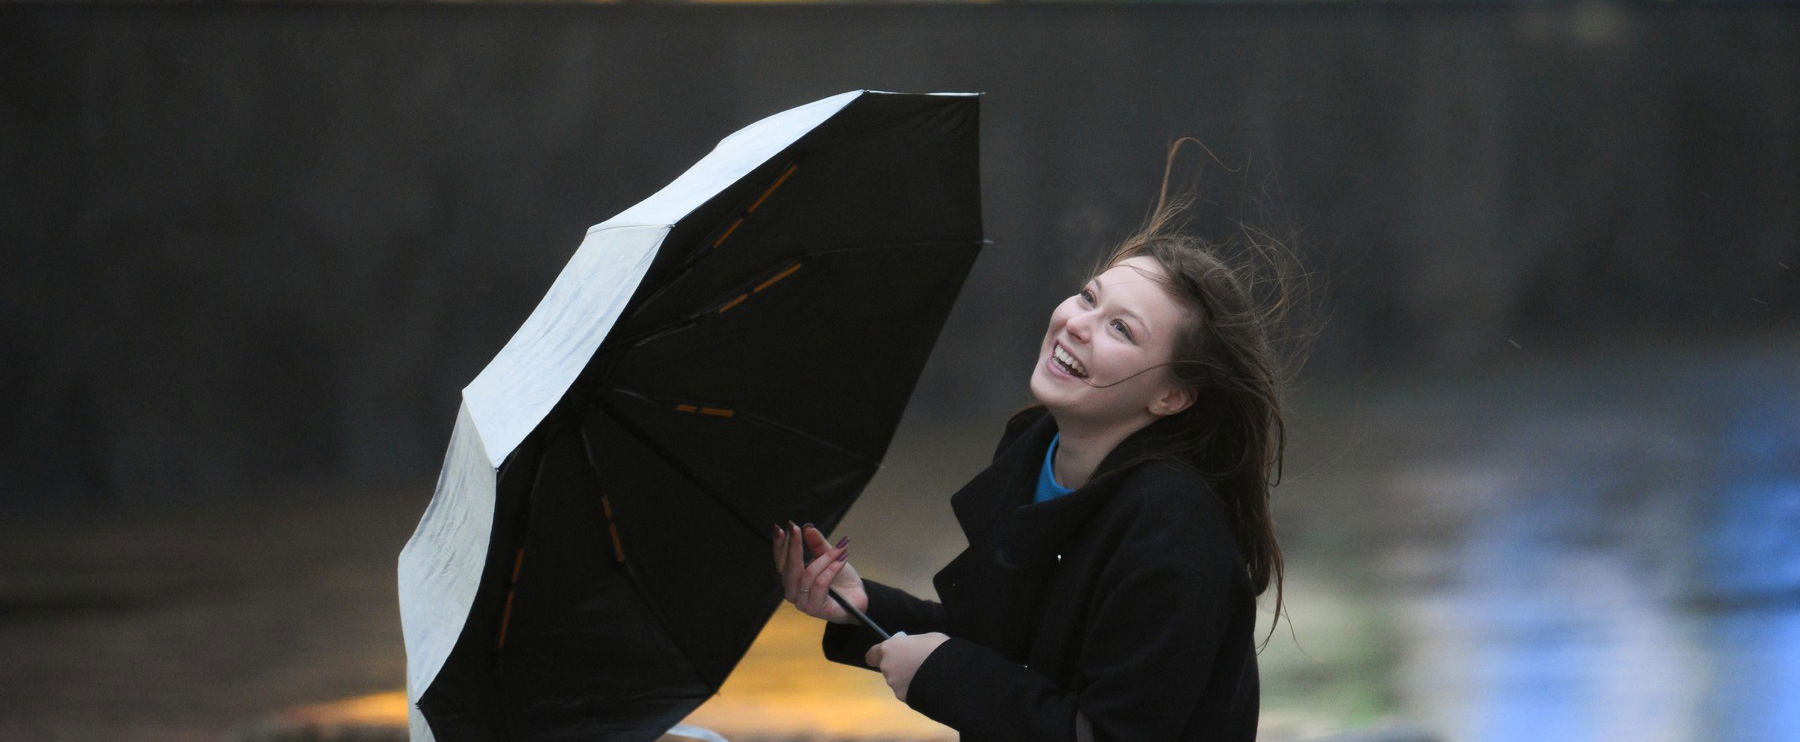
{"type": "Point", "coordinates": [1240, 350]}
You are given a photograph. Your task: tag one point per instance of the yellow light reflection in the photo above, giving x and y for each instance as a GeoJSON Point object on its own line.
{"type": "Point", "coordinates": [386, 710]}
{"type": "Point", "coordinates": [783, 689]}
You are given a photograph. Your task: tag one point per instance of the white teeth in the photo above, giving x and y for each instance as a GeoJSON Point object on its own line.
{"type": "Point", "coordinates": [1068, 361]}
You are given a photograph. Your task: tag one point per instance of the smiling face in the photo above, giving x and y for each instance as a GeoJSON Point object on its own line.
{"type": "Point", "coordinates": [1091, 372]}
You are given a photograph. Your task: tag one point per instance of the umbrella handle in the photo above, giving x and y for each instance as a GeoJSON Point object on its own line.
{"type": "Point", "coordinates": [860, 616]}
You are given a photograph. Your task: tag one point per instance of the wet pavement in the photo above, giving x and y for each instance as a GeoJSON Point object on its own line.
{"type": "Point", "coordinates": [1599, 546]}
{"type": "Point", "coordinates": [1600, 549]}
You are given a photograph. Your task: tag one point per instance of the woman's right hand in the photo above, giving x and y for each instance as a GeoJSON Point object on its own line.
{"type": "Point", "coordinates": [806, 584]}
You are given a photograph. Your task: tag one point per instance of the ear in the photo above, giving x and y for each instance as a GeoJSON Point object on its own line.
{"type": "Point", "coordinates": [1173, 399]}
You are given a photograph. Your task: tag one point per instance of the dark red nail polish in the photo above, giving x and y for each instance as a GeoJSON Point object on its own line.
{"type": "Point", "coordinates": [842, 542]}
{"type": "Point", "coordinates": [845, 554]}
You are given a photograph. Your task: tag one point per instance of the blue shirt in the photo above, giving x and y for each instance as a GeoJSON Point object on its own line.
{"type": "Point", "coordinates": [1047, 488]}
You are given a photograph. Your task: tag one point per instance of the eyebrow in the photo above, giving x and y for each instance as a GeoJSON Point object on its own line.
{"type": "Point", "coordinates": [1134, 315]}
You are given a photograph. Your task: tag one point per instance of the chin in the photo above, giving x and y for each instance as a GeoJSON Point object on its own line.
{"type": "Point", "coordinates": [1033, 385]}
{"type": "Point", "coordinates": [1038, 388]}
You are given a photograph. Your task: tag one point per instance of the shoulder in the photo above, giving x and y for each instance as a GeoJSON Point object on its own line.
{"type": "Point", "coordinates": [1167, 513]}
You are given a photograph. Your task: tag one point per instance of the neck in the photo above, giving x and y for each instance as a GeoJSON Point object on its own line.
{"type": "Point", "coordinates": [1080, 449]}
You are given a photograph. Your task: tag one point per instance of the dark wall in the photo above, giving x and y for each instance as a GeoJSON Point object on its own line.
{"type": "Point", "coordinates": [248, 244]}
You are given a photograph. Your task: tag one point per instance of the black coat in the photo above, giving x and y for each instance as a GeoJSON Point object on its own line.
{"type": "Point", "coordinates": [1126, 600]}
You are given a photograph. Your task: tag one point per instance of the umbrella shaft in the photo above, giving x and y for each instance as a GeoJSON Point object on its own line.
{"type": "Point", "coordinates": [860, 616]}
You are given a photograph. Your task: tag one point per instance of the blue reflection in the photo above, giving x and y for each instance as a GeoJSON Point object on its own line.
{"type": "Point", "coordinates": [1752, 572]}
{"type": "Point", "coordinates": [1568, 640]}
{"type": "Point", "coordinates": [1641, 577]}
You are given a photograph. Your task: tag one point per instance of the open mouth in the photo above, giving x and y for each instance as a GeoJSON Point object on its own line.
{"type": "Point", "coordinates": [1064, 360]}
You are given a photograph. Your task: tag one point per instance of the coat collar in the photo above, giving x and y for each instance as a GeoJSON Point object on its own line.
{"type": "Point", "coordinates": [997, 503]}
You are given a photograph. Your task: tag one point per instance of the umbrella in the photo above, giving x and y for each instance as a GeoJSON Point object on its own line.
{"type": "Point", "coordinates": [731, 352]}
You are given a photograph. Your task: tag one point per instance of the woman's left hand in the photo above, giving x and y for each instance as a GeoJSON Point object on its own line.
{"type": "Point", "coordinates": [898, 658]}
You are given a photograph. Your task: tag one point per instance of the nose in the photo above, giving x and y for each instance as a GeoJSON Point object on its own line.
{"type": "Point", "coordinates": [1082, 324]}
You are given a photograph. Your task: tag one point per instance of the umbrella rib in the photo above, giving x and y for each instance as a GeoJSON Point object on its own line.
{"type": "Point", "coordinates": [708, 245]}
{"type": "Point", "coordinates": [631, 575]}
{"type": "Point", "coordinates": [712, 307]}
{"type": "Point", "coordinates": [674, 463]}
{"type": "Point", "coordinates": [859, 458]}
{"type": "Point", "coordinates": [778, 425]}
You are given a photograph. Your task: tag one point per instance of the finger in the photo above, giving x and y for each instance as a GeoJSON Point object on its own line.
{"type": "Point", "coordinates": [832, 569]}
{"type": "Point", "coordinates": [873, 657]}
{"type": "Point", "coordinates": [820, 548]}
{"type": "Point", "coordinates": [819, 565]}
{"type": "Point", "coordinates": [821, 585]}
{"type": "Point", "coordinates": [815, 540]}
{"type": "Point", "coordinates": [788, 587]}
{"type": "Point", "coordinates": [810, 596]}
{"type": "Point", "coordinates": [793, 569]}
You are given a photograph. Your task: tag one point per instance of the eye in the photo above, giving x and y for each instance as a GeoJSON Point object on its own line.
{"type": "Point", "coordinates": [1119, 324]}
{"type": "Point", "coordinates": [1087, 296]}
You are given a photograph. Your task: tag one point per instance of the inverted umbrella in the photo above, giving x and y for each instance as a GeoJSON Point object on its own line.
{"type": "Point", "coordinates": [732, 352]}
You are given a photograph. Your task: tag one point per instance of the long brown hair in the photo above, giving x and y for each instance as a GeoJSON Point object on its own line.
{"type": "Point", "coordinates": [1252, 308]}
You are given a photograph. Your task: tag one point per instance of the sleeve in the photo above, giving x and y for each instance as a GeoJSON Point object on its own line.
{"type": "Point", "coordinates": [895, 610]}
{"type": "Point", "coordinates": [1148, 656]}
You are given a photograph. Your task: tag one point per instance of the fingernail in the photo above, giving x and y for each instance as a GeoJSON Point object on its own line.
{"type": "Point", "coordinates": [809, 525]}
{"type": "Point", "coordinates": [845, 554]}
{"type": "Point", "coordinates": [777, 532]}
{"type": "Point", "coordinates": [842, 542]}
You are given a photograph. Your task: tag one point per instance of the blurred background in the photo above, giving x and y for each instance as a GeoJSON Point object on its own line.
{"type": "Point", "coordinates": [1543, 478]}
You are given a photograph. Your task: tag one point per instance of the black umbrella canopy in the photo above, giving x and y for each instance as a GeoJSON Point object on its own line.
{"type": "Point", "coordinates": [755, 376]}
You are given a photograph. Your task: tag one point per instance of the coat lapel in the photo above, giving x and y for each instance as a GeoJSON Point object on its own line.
{"type": "Point", "coordinates": [1032, 533]}
{"type": "Point", "coordinates": [1008, 482]}
{"type": "Point", "coordinates": [997, 583]}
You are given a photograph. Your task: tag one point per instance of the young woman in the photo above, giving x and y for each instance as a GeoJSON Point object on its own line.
{"type": "Point", "coordinates": [1119, 539]}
